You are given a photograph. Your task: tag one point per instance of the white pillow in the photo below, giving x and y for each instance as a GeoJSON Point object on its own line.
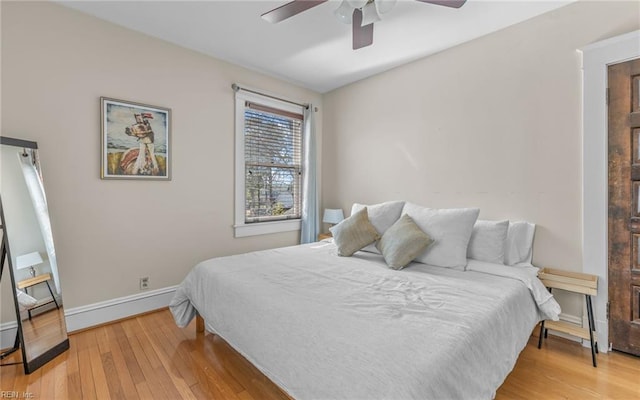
{"type": "Point", "coordinates": [488, 240]}
{"type": "Point", "coordinates": [381, 216]}
{"type": "Point", "coordinates": [450, 230]}
{"type": "Point", "coordinates": [519, 244]}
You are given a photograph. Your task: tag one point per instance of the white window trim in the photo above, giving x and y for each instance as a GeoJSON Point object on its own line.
{"type": "Point", "coordinates": [257, 228]}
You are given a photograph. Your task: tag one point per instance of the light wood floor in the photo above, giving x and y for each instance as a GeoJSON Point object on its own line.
{"type": "Point", "coordinates": [43, 331]}
{"type": "Point", "coordinates": [148, 357]}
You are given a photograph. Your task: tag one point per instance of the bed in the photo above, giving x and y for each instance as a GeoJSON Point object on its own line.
{"type": "Point", "coordinates": [322, 326]}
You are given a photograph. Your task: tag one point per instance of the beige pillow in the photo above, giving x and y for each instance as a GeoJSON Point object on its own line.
{"type": "Point", "coordinates": [354, 233]}
{"type": "Point", "coordinates": [403, 242]}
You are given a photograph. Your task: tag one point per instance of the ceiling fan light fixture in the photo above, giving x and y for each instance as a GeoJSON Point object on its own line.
{"type": "Point", "coordinates": [344, 12]}
{"type": "Point", "coordinates": [384, 6]}
{"type": "Point", "coordinates": [369, 14]}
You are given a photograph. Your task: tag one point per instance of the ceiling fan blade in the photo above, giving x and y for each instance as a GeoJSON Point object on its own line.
{"type": "Point", "coordinates": [362, 35]}
{"type": "Point", "coordinates": [447, 3]}
{"type": "Point", "coordinates": [289, 10]}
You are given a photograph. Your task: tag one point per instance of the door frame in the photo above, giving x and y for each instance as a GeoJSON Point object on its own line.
{"type": "Point", "coordinates": [596, 58]}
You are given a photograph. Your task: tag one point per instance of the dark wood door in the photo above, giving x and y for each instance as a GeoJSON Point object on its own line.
{"type": "Point", "coordinates": [624, 206]}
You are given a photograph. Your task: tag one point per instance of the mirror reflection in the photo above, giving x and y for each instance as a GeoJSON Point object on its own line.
{"type": "Point", "coordinates": [31, 255]}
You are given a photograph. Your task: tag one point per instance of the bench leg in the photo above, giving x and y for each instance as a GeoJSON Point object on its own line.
{"type": "Point", "coordinates": [542, 330]}
{"type": "Point", "coordinates": [52, 296]}
{"type": "Point", "coordinates": [594, 344]}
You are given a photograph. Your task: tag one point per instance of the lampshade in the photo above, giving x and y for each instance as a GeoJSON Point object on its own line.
{"type": "Point", "coordinates": [333, 215]}
{"type": "Point", "coordinates": [369, 14]}
{"type": "Point", "coordinates": [344, 12]}
{"type": "Point", "coordinates": [28, 260]}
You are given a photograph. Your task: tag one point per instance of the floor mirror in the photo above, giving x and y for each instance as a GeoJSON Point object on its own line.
{"type": "Point", "coordinates": [29, 254]}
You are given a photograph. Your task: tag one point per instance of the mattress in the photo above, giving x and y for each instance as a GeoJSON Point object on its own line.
{"type": "Point", "coordinates": [322, 326]}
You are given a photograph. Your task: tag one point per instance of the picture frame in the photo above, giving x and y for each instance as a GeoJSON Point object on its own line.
{"type": "Point", "coordinates": [135, 140]}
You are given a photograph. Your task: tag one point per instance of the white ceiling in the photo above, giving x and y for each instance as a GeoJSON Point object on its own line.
{"type": "Point", "coordinates": [313, 49]}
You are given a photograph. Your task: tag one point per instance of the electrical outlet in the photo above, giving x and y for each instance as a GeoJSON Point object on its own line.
{"type": "Point", "coordinates": [144, 283]}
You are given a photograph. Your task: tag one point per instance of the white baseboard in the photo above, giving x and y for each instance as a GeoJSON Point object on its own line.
{"type": "Point", "coordinates": [106, 311]}
{"type": "Point", "coordinates": [8, 332]}
{"type": "Point", "coordinates": [99, 313]}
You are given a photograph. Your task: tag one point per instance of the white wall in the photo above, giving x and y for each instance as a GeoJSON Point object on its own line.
{"type": "Point", "coordinates": [56, 63]}
{"type": "Point", "coordinates": [494, 123]}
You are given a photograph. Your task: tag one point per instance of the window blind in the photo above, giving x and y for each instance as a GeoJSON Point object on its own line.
{"type": "Point", "coordinates": [273, 163]}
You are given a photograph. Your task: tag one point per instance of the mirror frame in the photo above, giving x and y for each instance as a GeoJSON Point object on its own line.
{"type": "Point", "coordinates": [29, 365]}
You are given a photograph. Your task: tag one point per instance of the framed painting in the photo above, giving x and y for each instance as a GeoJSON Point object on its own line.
{"type": "Point", "coordinates": [136, 140]}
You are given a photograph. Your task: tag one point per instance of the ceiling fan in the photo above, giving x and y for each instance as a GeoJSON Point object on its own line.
{"type": "Point", "coordinates": [360, 13]}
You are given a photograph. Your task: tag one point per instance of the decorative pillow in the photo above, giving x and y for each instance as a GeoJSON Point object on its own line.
{"type": "Point", "coordinates": [382, 216]}
{"type": "Point", "coordinates": [487, 241]}
{"type": "Point", "coordinates": [353, 233]}
{"type": "Point", "coordinates": [450, 230]}
{"type": "Point", "coordinates": [519, 244]}
{"type": "Point", "coordinates": [402, 243]}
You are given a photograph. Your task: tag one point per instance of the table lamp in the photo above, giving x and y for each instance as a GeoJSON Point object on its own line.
{"type": "Point", "coordinates": [29, 261]}
{"type": "Point", "coordinates": [332, 216]}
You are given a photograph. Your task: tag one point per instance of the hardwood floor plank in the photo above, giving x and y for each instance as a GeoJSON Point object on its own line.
{"type": "Point", "coordinates": [48, 378]}
{"type": "Point", "coordinates": [103, 339]}
{"type": "Point", "coordinates": [155, 374]}
{"type": "Point", "coordinates": [215, 385]}
{"type": "Point", "coordinates": [169, 354]}
{"type": "Point", "coordinates": [74, 383]}
{"type": "Point", "coordinates": [248, 377]}
{"type": "Point", "coordinates": [8, 373]}
{"type": "Point", "coordinates": [121, 367]}
{"type": "Point", "coordinates": [21, 380]}
{"type": "Point", "coordinates": [60, 390]}
{"type": "Point", "coordinates": [245, 396]}
{"type": "Point", "coordinates": [150, 377]}
{"type": "Point", "coordinates": [87, 383]}
{"type": "Point", "coordinates": [198, 392]}
{"type": "Point", "coordinates": [99, 376]}
{"type": "Point", "coordinates": [143, 391]}
{"type": "Point", "coordinates": [222, 368]}
{"type": "Point", "coordinates": [143, 339]}
{"type": "Point", "coordinates": [125, 349]}
{"type": "Point", "coordinates": [113, 383]}
{"type": "Point", "coordinates": [34, 382]}
{"type": "Point", "coordinates": [178, 354]}
{"type": "Point", "coordinates": [156, 341]}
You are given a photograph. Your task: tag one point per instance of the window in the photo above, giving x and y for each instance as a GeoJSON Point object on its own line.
{"type": "Point", "coordinates": [268, 165]}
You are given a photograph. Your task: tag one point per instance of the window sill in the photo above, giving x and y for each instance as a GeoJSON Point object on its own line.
{"type": "Point", "coordinates": [265, 228]}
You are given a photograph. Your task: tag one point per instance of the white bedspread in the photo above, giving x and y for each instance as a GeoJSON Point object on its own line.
{"type": "Point", "coordinates": [327, 327]}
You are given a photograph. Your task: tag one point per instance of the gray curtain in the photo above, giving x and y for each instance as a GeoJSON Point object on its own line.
{"type": "Point", "coordinates": [310, 226]}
